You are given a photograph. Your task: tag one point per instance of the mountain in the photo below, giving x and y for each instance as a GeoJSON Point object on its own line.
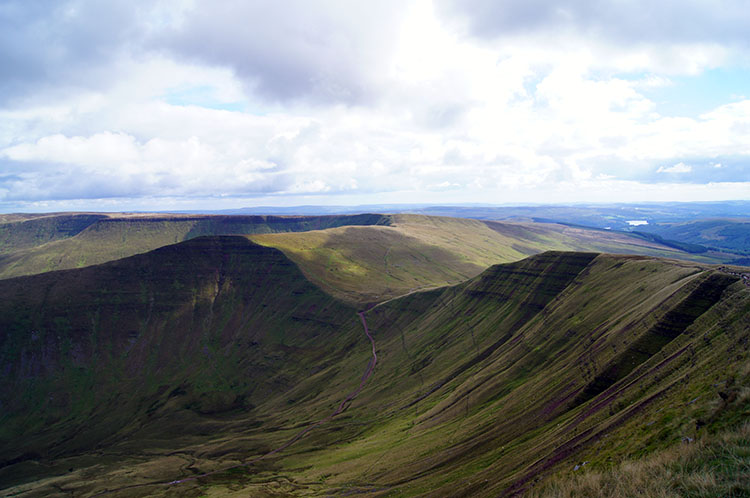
{"type": "Point", "coordinates": [58, 242]}
{"type": "Point", "coordinates": [695, 227]}
{"type": "Point", "coordinates": [620, 216]}
{"type": "Point", "coordinates": [359, 258]}
{"type": "Point", "coordinates": [214, 367]}
{"type": "Point", "coordinates": [368, 264]}
{"type": "Point", "coordinates": [161, 345]}
{"type": "Point", "coordinates": [497, 381]}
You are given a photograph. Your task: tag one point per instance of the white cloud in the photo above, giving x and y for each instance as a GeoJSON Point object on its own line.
{"type": "Point", "coordinates": [102, 149]}
{"type": "Point", "coordinates": [677, 168]}
{"type": "Point", "coordinates": [653, 81]}
{"type": "Point", "coordinates": [315, 186]}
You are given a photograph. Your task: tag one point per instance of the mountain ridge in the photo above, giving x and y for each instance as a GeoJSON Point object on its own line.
{"type": "Point", "coordinates": [157, 319]}
{"type": "Point", "coordinates": [477, 387]}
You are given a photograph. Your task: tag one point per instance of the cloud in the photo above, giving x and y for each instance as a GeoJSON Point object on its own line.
{"type": "Point", "coordinates": [183, 100]}
{"type": "Point", "coordinates": [677, 168]}
{"type": "Point", "coordinates": [327, 51]}
{"type": "Point", "coordinates": [636, 21]}
{"type": "Point", "coordinates": [53, 46]}
{"type": "Point", "coordinates": [117, 165]}
{"type": "Point", "coordinates": [669, 37]}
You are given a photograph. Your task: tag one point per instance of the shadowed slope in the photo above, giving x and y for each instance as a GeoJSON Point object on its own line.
{"type": "Point", "coordinates": [73, 241]}
{"type": "Point", "coordinates": [154, 346]}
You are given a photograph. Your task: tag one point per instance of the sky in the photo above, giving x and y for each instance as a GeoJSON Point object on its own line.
{"type": "Point", "coordinates": [216, 104]}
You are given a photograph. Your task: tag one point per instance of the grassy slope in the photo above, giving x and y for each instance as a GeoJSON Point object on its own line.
{"type": "Point", "coordinates": [22, 233]}
{"type": "Point", "coordinates": [576, 337]}
{"type": "Point", "coordinates": [164, 349]}
{"type": "Point", "coordinates": [363, 260]}
{"type": "Point", "coordinates": [714, 465]}
{"type": "Point", "coordinates": [73, 241]}
{"type": "Point", "coordinates": [372, 264]}
{"type": "Point", "coordinates": [477, 391]}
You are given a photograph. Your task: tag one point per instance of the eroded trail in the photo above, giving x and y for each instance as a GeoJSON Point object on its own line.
{"type": "Point", "coordinates": [339, 409]}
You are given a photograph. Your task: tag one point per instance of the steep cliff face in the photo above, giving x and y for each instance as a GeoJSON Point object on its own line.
{"type": "Point", "coordinates": [212, 325]}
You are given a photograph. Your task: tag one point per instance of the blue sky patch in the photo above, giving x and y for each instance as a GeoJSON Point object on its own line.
{"type": "Point", "coordinates": [201, 96]}
{"type": "Point", "coordinates": [691, 96]}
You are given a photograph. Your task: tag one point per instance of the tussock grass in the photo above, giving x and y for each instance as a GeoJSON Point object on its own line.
{"type": "Point", "coordinates": [710, 467]}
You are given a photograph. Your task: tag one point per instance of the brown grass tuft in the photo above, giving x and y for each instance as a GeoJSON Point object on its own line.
{"type": "Point", "coordinates": [713, 466]}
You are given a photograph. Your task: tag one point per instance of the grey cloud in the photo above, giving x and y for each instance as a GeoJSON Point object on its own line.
{"type": "Point", "coordinates": [442, 116]}
{"type": "Point", "coordinates": [49, 45]}
{"type": "Point", "coordinates": [50, 181]}
{"type": "Point", "coordinates": [329, 51]}
{"type": "Point", "coordinates": [269, 184]}
{"type": "Point", "coordinates": [324, 51]}
{"type": "Point", "coordinates": [648, 21]}
{"type": "Point", "coordinates": [454, 157]}
{"type": "Point", "coordinates": [43, 181]}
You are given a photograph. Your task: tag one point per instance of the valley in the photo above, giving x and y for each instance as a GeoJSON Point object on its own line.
{"type": "Point", "coordinates": [393, 355]}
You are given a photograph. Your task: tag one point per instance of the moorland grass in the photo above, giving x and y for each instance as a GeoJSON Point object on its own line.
{"type": "Point", "coordinates": [712, 466]}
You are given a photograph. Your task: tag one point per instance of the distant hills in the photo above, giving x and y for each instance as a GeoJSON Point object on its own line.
{"type": "Point", "coordinates": [413, 252]}
{"type": "Point", "coordinates": [699, 226]}
{"type": "Point", "coordinates": [615, 216]}
{"type": "Point", "coordinates": [397, 253]}
{"type": "Point", "coordinates": [57, 242]}
{"type": "Point", "coordinates": [727, 234]}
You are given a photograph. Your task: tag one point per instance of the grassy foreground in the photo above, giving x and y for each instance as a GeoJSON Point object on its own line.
{"type": "Point", "coordinates": [716, 465]}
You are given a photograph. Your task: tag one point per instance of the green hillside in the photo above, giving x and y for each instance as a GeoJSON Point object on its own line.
{"type": "Point", "coordinates": [59, 242]}
{"type": "Point", "coordinates": [499, 380]}
{"type": "Point", "coordinates": [212, 354]}
{"type": "Point", "coordinates": [367, 264]}
{"type": "Point", "coordinates": [159, 348]}
{"type": "Point", "coordinates": [22, 233]}
{"type": "Point", "coordinates": [359, 258]}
